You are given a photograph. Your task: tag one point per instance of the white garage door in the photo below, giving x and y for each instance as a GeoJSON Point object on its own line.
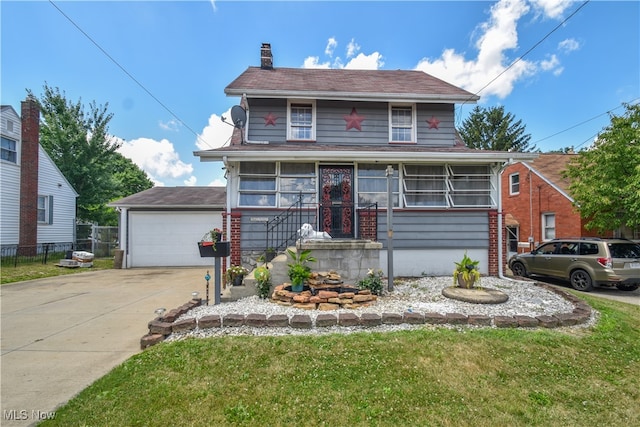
{"type": "Point", "coordinates": [169, 239]}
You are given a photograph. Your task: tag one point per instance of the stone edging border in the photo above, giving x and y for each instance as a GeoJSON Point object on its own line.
{"type": "Point", "coordinates": [161, 327]}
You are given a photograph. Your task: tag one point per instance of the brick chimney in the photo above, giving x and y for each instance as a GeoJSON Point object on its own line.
{"type": "Point", "coordinates": [266, 57]}
{"type": "Point", "coordinates": [29, 176]}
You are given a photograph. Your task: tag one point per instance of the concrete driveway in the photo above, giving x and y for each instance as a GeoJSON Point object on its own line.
{"type": "Point", "coordinates": [60, 334]}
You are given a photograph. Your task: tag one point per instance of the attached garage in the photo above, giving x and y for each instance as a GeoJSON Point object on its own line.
{"type": "Point", "coordinates": [160, 227]}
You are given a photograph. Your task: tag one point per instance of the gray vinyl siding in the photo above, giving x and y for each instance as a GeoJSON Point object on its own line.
{"type": "Point", "coordinates": [411, 229]}
{"type": "Point", "coordinates": [331, 126]}
{"type": "Point", "coordinates": [10, 181]}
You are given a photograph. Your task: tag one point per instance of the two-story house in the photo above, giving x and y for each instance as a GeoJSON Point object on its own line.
{"type": "Point", "coordinates": [37, 203]}
{"type": "Point", "coordinates": [338, 137]}
{"type": "Point", "coordinates": [538, 205]}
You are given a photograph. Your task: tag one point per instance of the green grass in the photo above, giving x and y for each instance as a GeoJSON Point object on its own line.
{"type": "Point", "coordinates": [28, 271]}
{"type": "Point", "coordinates": [427, 377]}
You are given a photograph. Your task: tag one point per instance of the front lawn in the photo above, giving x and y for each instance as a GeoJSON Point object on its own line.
{"type": "Point", "coordinates": [37, 270]}
{"type": "Point", "coordinates": [426, 377]}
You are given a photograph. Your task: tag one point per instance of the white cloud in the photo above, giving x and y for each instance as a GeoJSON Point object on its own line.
{"type": "Point", "coordinates": [331, 46]}
{"type": "Point", "coordinates": [171, 125]}
{"type": "Point", "coordinates": [352, 48]}
{"type": "Point", "coordinates": [217, 133]}
{"type": "Point", "coordinates": [498, 35]}
{"type": "Point", "coordinates": [551, 8]}
{"type": "Point", "coordinates": [361, 61]}
{"type": "Point", "coordinates": [191, 181]}
{"type": "Point", "coordinates": [158, 159]}
{"type": "Point", "coordinates": [568, 45]}
{"type": "Point", "coordinates": [218, 183]}
{"type": "Point", "coordinates": [365, 62]}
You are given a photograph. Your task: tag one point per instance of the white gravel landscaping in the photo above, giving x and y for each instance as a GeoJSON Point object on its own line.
{"type": "Point", "coordinates": [421, 295]}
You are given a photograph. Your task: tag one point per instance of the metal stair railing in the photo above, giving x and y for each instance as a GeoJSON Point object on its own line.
{"type": "Point", "coordinates": [282, 230]}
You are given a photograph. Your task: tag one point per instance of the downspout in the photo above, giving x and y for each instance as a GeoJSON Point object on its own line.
{"type": "Point", "coordinates": [227, 175]}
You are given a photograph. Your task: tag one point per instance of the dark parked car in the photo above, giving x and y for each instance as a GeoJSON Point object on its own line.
{"type": "Point", "coordinates": [585, 262]}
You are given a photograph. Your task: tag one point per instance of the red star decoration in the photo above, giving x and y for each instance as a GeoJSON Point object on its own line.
{"type": "Point", "coordinates": [354, 120]}
{"type": "Point", "coordinates": [433, 122]}
{"type": "Point", "coordinates": [270, 119]}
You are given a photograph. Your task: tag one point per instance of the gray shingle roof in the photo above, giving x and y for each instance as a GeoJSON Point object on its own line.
{"type": "Point", "coordinates": [174, 197]}
{"type": "Point", "coordinates": [346, 84]}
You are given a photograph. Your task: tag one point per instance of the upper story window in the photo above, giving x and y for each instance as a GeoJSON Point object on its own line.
{"type": "Point", "coordinates": [514, 184]}
{"type": "Point", "coordinates": [9, 152]}
{"type": "Point", "coordinates": [301, 117]}
{"type": "Point", "coordinates": [402, 123]}
{"type": "Point", "coordinates": [45, 209]}
{"type": "Point", "coordinates": [549, 226]}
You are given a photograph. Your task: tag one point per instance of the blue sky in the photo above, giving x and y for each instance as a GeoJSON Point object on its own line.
{"type": "Point", "coordinates": [162, 66]}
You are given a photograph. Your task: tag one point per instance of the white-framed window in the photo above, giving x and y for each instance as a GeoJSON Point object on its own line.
{"type": "Point", "coordinates": [257, 184]}
{"type": "Point", "coordinates": [402, 119]}
{"type": "Point", "coordinates": [45, 209]}
{"type": "Point", "coordinates": [9, 150]}
{"type": "Point", "coordinates": [296, 178]}
{"type": "Point", "coordinates": [301, 119]}
{"type": "Point", "coordinates": [424, 185]}
{"type": "Point", "coordinates": [470, 186]}
{"type": "Point", "coordinates": [275, 184]}
{"type": "Point", "coordinates": [548, 226]}
{"type": "Point", "coordinates": [514, 184]}
{"type": "Point", "coordinates": [372, 185]}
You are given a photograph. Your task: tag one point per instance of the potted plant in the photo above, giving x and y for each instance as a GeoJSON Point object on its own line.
{"type": "Point", "coordinates": [299, 271]}
{"type": "Point", "coordinates": [208, 244]}
{"type": "Point", "coordinates": [263, 281]}
{"type": "Point", "coordinates": [235, 274]}
{"type": "Point", "coordinates": [466, 272]}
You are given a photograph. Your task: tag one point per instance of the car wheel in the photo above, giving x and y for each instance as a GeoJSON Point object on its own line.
{"type": "Point", "coordinates": [581, 281]}
{"type": "Point", "coordinates": [624, 287]}
{"type": "Point", "coordinates": [518, 269]}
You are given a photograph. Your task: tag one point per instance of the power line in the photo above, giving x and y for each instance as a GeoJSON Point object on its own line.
{"type": "Point", "coordinates": [130, 75]}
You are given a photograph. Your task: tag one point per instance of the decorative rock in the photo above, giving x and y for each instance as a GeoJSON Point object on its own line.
{"type": "Point", "coordinates": [475, 295]}
{"type": "Point", "coordinates": [300, 321]}
{"type": "Point", "coordinates": [158, 327]}
{"type": "Point", "coordinates": [391, 318]}
{"type": "Point", "coordinates": [150, 339]}
{"type": "Point", "coordinates": [347, 295]}
{"type": "Point", "coordinates": [348, 319]}
{"type": "Point", "coordinates": [184, 325]}
{"type": "Point", "coordinates": [548, 321]}
{"type": "Point", "coordinates": [413, 318]}
{"type": "Point", "coordinates": [456, 318]}
{"type": "Point", "coordinates": [301, 299]}
{"type": "Point", "coordinates": [233, 319]}
{"type": "Point", "coordinates": [278, 320]}
{"type": "Point", "coordinates": [477, 319]}
{"type": "Point", "coordinates": [256, 320]}
{"type": "Point", "coordinates": [326, 306]}
{"type": "Point", "coordinates": [567, 319]}
{"type": "Point", "coordinates": [327, 294]}
{"type": "Point", "coordinates": [211, 321]}
{"type": "Point", "coordinates": [362, 298]}
{"type": "Point", "coordinates": [435, 318]}
{"type": "Point", "coordinates": [526, 321]}
{"type": "Point", "coordinates": [324, 320]}
{"type": "Point", "coordinates": [505, 322]}
{"type": "Point", "coordinates": [370, 319]}
{"type": "Point", "coordinates": [305, 306]}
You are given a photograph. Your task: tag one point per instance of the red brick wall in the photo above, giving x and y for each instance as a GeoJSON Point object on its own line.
{"type": "Point", "coordinates": [537, 197]}
{"type": "Point", "coordinates": [29, 176]}
{"type": "Point", "coordinates": [493, 243]}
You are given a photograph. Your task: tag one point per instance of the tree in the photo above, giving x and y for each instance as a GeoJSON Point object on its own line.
{"type": "Point", "coordinates": [605, 179]}
{"type": "Point", "coordinates": [491, 129]}
{"type": "Point", "coordinates": [79, 144]}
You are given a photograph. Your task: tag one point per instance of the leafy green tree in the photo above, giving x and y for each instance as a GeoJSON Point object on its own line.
{"type": "Point", "coordinates": [78, 142]}
{"type": "Point", "coordinates": [492, 129]}
{"type": "Point", "coordinates": [605, 179]}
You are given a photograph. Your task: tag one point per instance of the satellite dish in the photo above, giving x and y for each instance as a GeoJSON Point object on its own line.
{"type": "Point", "coordinates": [238, 116]}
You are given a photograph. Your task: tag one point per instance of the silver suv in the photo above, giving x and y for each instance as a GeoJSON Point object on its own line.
{"type": "Point", "coordinates": [585, 262]}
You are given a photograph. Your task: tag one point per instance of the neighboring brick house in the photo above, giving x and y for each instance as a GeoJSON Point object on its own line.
{"type": "Point", "coordinates": [37, 203]}
{"type": "Point", "coordinates": [537, 204]}
{"type": "Point", "coordinates": [337, 137]}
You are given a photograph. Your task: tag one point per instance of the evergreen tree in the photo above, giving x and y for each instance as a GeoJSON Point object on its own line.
{"type": "Point", "coordinates": [492, 129]}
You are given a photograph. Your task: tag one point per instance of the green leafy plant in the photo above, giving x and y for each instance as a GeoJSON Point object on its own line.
{"type": "Point", "coordinates": [235, 271]}
{"type": "Point", "coordinates": [467, 271]}
{"type": "Point", "coordinates": [211, 237]}
{"type": "Point", "coordinates": [372, 282]}
{"type": "Point", "coordinates": [263, 281]}
{"type": "Point", "coordinates": [299, 270]}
